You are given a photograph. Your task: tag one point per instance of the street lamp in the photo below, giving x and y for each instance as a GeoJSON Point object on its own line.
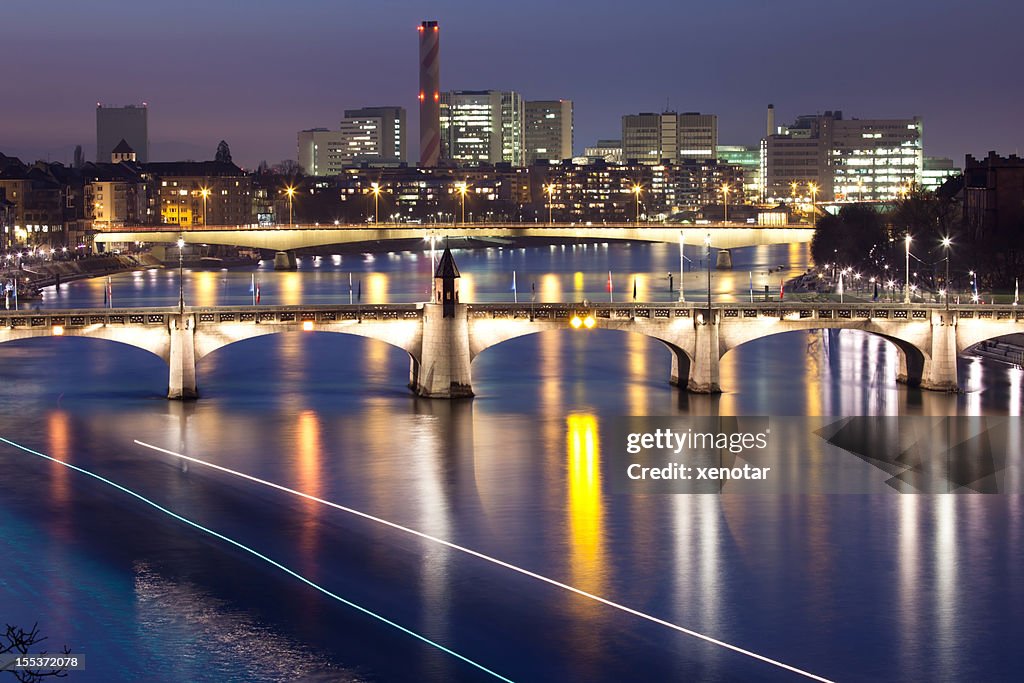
{"type": "Point", "coordinates": [725, 202]}
{"type": "Point", "coordinates": [375, 189]}
{"type": "Point", "coordinates": [205, 192]}
{"type": "Point", "coordinates": [682, 240]}
{"type": "Point", "coordinates": [946, 243]}
{"type": "Point", "coordinates": [637, 189]}
{"type": "Point", "coordinates": [707, 245]}
{"type": "Point", "coordinates": [906, 282]}
{"type": "Point", "coordinates": [792, 186]}
{"type": "Point", "coordinates": [461, 189]}
{"type": "Point", "coordinates": [181, 274]}
{"type": "Point", "coordinates": [549, 189]}
{"type": "Point", "coordinates": [290, 191]}
{"type": "Point", "coordinates": [814, 193]}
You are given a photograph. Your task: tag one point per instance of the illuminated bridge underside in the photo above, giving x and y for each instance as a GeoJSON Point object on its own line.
{"type": "Point", "coordinates": [441, 350]}
{"type": "Point", "coordinates": [308, 237]}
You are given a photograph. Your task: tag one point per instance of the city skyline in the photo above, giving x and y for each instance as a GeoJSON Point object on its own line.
{"type": "Point", "coordinates": [610, 63]}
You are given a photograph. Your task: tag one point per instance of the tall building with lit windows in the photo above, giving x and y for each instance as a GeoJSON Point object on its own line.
{"type": "Point", "coordinates": [482, 127]}
{"type": "Point", "coordinates": [548, 130]}
{"type": "Point", "coordinates": [847, 159]}
{"type": "Point", "coordinates": [375, 134]}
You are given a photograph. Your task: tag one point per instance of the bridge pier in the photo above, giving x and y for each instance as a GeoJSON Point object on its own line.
{"type": "Point", "coordinates": [443, 368]}
{"type": "Point", "coordinates": [704, 377]}
{"type": "Point", "coordinates": [724, 260]}
{"type": "Point", "coordinates": [939, 373]}
{"type": "Point", "coordinates": [285, 260]}
{"type": "Point", "coordinates": [182, 380]}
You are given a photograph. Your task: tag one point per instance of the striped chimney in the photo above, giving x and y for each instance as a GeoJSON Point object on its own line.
{"type": "Point", "coordinates": [430, 94]}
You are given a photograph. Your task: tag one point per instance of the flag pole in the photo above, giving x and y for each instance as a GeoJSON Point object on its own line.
{"type": "Point", "coordinates": [515, 292]}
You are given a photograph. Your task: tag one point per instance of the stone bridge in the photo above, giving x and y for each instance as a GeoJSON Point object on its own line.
{"type": "Point", "coordinates": [442, 348]}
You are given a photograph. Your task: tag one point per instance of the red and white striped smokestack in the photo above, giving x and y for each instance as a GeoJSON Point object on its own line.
{"type": "Point", "coordinates": [430, 94]}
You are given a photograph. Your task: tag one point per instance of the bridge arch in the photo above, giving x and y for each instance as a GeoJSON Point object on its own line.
{"type": "Point", "coordinates": [155, 340]}
{"type": "Point", "coordinates": [910, 349]}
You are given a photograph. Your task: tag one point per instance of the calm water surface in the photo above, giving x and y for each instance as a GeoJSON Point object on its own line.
{"type": "Point", "coordinates": [851, 587]}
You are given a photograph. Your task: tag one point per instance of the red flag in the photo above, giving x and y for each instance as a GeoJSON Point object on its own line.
{"type": "Point", "coordinates": [609, 280]}
{"type": "Point", "coordinates": [782, 289]}
{"type": "Point", "coordinates": [257, 292]}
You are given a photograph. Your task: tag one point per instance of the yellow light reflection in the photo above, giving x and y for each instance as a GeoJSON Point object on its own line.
{"type": "Point", "coordinates": [467, 289]}
{"type": "Point", "coordinates": [585, 523]}
{"type": "Point", "coordinates": [308, 477]}
{"type": "Point", "coordinates": [60, 447]}
{"type": "Point", "coordinates": [550, 288]}
{"type": "Point", "coordinates": [376, 291]}
{"type": "Point", "coordinates": [577, 286]}
{"type": "Point", "coordinates": [291, 288]}
{"type": "Point", "coordinates": [636, 392]}
{"type": "Point", "coordinates": [643, 286]}
{"type": "Point", "coordinates": [204, 287]}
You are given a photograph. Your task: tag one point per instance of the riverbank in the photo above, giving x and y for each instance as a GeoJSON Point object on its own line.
{"type": "Point", "coordinates": [49, 273]}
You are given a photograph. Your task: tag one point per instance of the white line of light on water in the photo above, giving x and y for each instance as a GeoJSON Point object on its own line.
{"type": "Point", "coordinates": [259, 555]}
{"type": "Point", "coordinates": [494, 560]}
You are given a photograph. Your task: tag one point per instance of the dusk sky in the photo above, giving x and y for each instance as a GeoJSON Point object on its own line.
{"type": "Point", "coordinates": [256, 72]}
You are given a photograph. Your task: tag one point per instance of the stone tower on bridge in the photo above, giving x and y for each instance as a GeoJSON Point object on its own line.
{"type": "Point", "coordinates": [446, 284]}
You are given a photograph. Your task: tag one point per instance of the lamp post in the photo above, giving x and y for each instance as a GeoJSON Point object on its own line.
{"type": "Point", "coordinates": [725, 202]}
{"type": "Point", "coordinates": [637, 189]}
{"type": "Point", "coordinates": [205, 192]}
{"type": "Point", "coordinates": [549, 189]}
{"type": "Point", "coordinates": [792, 186]}
{"type": "Point", "coordinates": [375, 189]}
{"type": "Point", "coordinates": [906, 282]}
{"type": "Point", "coordinates": [181, 275]}
{"type": "Point", "coordinates": [707, 245]}
{"type": "Point", "coordinates": [461, 189]}
{"type": "Point", "coordinates": [290, 191]}
{"type": "Point", "coordinates": [946, 243]}
{"type": "Point", "coordinates": [682, 240]}
{"type": "Point", "coordinates": [814, 193]}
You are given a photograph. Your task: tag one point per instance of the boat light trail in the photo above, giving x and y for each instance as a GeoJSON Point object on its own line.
{"type": "Point", "coordinates": [259, 555]}
{"type": "Point", "coordinates": [494, 560]}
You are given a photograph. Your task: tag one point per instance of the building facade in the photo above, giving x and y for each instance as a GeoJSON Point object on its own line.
{"type": "Point", "coordinates": [482, 127]}
{"type": "Point", "coordinates": [375, 135]}
{"type": "Point", "coordinates": [993, 196]}
{"type": "Point", "coordinates": [697, 135]}
{"type": "Point", "coordinates": [322, 152]}
{"type": "Point", "coordinates": [129, 123]}
{"type": "Point", "coordinates": [845, 159]}
{"type": "Point", "coordinates": [548, 134]}
{"type": "Point", "coordinates": [179, 189]}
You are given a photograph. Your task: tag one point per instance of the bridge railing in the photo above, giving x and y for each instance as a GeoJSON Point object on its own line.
{"type": "Point", "coordinates": [428, 227]}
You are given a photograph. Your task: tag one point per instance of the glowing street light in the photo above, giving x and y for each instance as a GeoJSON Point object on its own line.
{"type": "Point", "coordinates": [375, 190]}
{"type": "Point", "coordinates": [814, 193]}
{"type": "Point", "coordinates": [204, 192]}
{"type": "Point", "coordinates": [906, 282]}
{"type": "Point", "coordinates": [793, 186]}
{"type": "Point", "coordinates": [290, 191]}
{"type": "Point", "coordinates": [549, 189]}
{"type": "Point", "coordinates": [637, 190]}
{"type": "Point", "coordinates": [181, 275]}
{"type": "Point", "coordinates": [725, 202]}
{"type": "Point", "coordinates": [707, 245]}
{"type": "Point", "coordinates": [946, 244]}
{"type": "Point", "coordinates": [461, 188]}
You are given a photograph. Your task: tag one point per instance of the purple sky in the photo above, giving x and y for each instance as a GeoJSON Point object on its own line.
{"type": "Point", "coordinates": [256, 72]}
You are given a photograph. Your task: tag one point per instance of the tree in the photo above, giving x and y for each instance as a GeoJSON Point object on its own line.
{"type": "Point", "coordinates": [17, 641]}
{"type": "Point", "coordinates": [289, 168]}
{"type": "Point", "coordinates": [848, 237]}
{"type": "Point", "coordinates": [79, 157]}
{"type": "Point", "coordinates": [223, 153]}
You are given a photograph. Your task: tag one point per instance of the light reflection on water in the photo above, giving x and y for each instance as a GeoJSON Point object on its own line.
{"type": "Point", "coordinates": [894, 587]}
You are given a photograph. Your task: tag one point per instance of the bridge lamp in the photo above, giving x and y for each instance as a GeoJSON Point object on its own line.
{"type": "Point", "coordinates": [814, 193]}
{"type": "Point", "coordinates": [549, 189]}
{"type": "Point", "coordinates": [58, 330]}
{"type": "Point", "coordinates": [576, 322]}
{"type": "Point", "coordinates": [589, 322]}
{"type": "Point", "coordinates": [205, 192]}
{"type": "Point", "coordinates": [290, 191]}
{"type": "Point", "coordinates": [181, 275]}
{"type": "Point", "coordinates": [946, 244]}
{"type": "Point", "coordinates": [461, 188]}
{"type": "Point", "coordinates": [375, 190]}
{"type": "Point", "coordinates": [307, 325]}
{"type": "Point", "coordinates": [906, 282]}
{"type": "Point", "coordinates": [637, 190]}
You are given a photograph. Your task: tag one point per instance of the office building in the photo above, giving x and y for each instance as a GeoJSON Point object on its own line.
{"type": "Point", "coordinates": [482, 127]}
{"type": "Point", "coordinates": [846, 159]}
{"type": "Point", "coordinates": [697, 135]}
{"type": "Point", "coordinates": [605, 150]}
{"type": "Point", "coordinates": [936, 171]}
{"type": "Point", "coordinates": [650, 138]}
{"type": "Point", "coordinates": [748, 159]}
{"type": "Point", "coordinates": [374, 135]}
{"type": "Point", "coordinates": [128, 123]}
{"type": "Point", "coordinates": [548, 134]}
{"type": "Point", "coordinates": [322, 152]}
